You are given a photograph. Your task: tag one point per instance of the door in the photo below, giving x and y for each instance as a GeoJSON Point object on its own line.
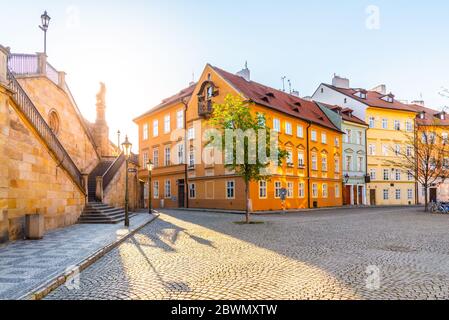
{"type": "Point", "coordinates": [372, 197]}
{"type": "Point", "coordinates": [360, 195]}
{"type": "Point", "coordinates": [433, 195]}
{"type": "Point", "coordinates": [356, 198]}
{"type": "Point", "coordinates": [181, 193]}
{"type": "Point", "coordinates": [347, 195]}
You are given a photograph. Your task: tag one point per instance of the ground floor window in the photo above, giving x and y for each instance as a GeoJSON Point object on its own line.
{"type": "Point", "coordinates": [386, 197]}
{"type": "Point", "coordinates": [314, 190]}
{"type": "Point", "coordinates": [410, 194]}
{"type": "Point", "coordinates": [192, 191]}
{"type": "Point", "coordinates": [337, 191]}
{"type": "Point", "coordinates": [324, 190]}
{"type": "Point", "coordinates": [230, 186]}
{"type": "Point", "coordinates": [167, 189]}
{"type": "Point", "coordinates": [156, 189]}
{"type": "Point", "coordinates": [398, 194]}
{"type": "Point", "coordinates": [289, 189]}
{"type": "Point", "coordinates": [277, 189]}
{"type": "Point", "coordinates": [301, 190]}
{"type": "Point", "coordinates": [262, 189]}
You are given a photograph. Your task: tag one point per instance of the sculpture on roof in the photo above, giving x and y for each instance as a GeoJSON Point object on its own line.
{"type": "Point", "coordinates": [101, 94]}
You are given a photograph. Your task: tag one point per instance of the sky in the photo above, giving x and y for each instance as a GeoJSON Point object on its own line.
{"type": "Point", "coordinates": [148, 50]}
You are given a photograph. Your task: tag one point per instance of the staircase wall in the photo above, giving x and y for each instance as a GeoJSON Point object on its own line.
{"type": "Point", "coordinates": [30, 179]}
{"type": "Point", "coordinates": [114, 195]}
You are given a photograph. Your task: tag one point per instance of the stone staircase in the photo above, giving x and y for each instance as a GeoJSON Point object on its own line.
{"type": "Point", "coordinates": [100, 213]}
{"type": "Point", "coordinates": [99, 170]}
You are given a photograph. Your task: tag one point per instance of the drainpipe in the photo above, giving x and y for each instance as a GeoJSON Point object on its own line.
{"type": "Point", "coordinates": [186, 158]}
{"type": "Point", "coordinates": [366, 165]}
{"type": "Point", "coordinates": [308, 164]}
{"type": "Point", "coordinates": [415, 133]}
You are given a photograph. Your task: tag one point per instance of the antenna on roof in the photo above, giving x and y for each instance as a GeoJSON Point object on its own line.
{"type": "Point", "coordinates": [283, 83]}
{"type": "Point", "coordinates": [193, 79]}
{"type": "Point", "coordinates": [289, 86]}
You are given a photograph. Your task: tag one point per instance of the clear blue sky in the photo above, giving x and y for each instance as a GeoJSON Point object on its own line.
{"type": "Point", "coordinates": [147, 50]}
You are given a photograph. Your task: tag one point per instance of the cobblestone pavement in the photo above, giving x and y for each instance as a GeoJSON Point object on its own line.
{"type": "Point", "coordinates": [398, 253]}
{"type": "Point", "coordinates": [26, 265]}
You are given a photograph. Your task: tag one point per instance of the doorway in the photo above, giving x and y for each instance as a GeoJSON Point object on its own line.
{"type": "Point", "coordinates": [360, 195]}
{"type": "Point", "coordinates": [347, 195]}
{"type": "Point", "coordinates": [433, 195]}
{"type": "Point", "coordinates": [181, 193]}
{"type": "Point", "coordinates": [372, 197]}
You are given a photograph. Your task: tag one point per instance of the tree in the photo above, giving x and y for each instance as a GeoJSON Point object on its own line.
{"type": "Point", "coordinates": [426, 157]}
{"type": "Point", "coordinates": [244, 129]}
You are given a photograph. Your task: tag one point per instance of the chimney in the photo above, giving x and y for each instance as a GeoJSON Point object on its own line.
{"type": "Point", "coordinates": [381, 88]}
{"type": "Point", "coordinates": [418, 102]}
{"type": "Point", "coordinates": [340, 82]}
{"type": "Point", "coordinates": [295, 93]}
{"type": "Point", "coordinates": [245, 73]}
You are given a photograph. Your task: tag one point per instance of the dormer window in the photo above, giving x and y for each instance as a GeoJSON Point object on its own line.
{"type": "Point", "coordinates": [270, 94]}
{"type": "Point", "coordinates": [422, 115]}
{"type": "Point", "coordinates": [361, 94]}
{"type": "Point", "coordinates": [388, 98]}
{"type": "Point", "coordinates": [210, 92]}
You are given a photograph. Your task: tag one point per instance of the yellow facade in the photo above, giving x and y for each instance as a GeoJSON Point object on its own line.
{"type": "Point", "coordinates": [388, 131]}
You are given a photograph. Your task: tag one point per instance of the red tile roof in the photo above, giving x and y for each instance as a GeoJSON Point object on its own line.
{"type": "Point", "coordinates": [184, 93]}
{"type": "Point", "coordinates": [373, 98]}
{"type": "Point", "coordinates": [278, 100]}
{"type": "Point", "coordinates": [430, 116]}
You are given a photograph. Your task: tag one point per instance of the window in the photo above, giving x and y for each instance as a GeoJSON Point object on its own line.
{"type": "Point", "coordinates": [323, 162]}
{"type": "Point", "coordinates": [167, 193]}
{"type": "Point", "coordinates": [299, 131]}
{"type": "Point", "coordinates": [324, 190]}
{"type": "Point", "coordinates": [301, 190]}
{"type": "Point", "coordinates": [313, 136]}
{"type": "Point", "coordinates": [372, 150]}
{"type": "Point", "coordinates": [155, 158]}
{"type": "Point", "coordinates": [277, 189]}
{"type": "Point", "coordinates": [288, 128]}
{"type": "Point", "coordinates": [145, 132]}
{"type": "Point", "coordinates": [167, 156]}
{"type": "Point", "coordinates": [409, 175]}
{"type": "Point", "coordinates": [180, 119]}
{"type": "Point", "coordinates": [289, 158]}
{"type": "Point", "coordinates": [181, 157]}
{"type": "Point", "coordinates": [261, 120]}
{"type": "Point", "coordinates": [358, 136]}
{"type": "Point", "coordinates": [289, 190]}
{"type": "Point", "coordinates": [337, 142]}
{"type": "Point", "coordinates": [167, 124]}
{"type": "Point", "coordinates": [145, 158]}
{"type": "Point", "coordinates": [445, 137]}
{"type": "Point", "coordinates": [53, 121]}
{"type": "Point", "coordinates": [192, 191]}
{"type": "Point", "coordinates": [300, 158]}
{"type": "Point", "coordinates": [397, 149]}
{"type": "Point", "coordinates": [371, 122]}
{"type": "Point", "coordinates": [409, 194]}
{"type": "Point", "coordinates": [210, 92]}
{"type": "Point", "coordinates": [337, 165]}
{"type": "Point", "coordinates": [372, 174]}
{"type": "Point", "coordinates": [348, 136]}
{"type": "Point", "coordinates": [191, 133]}
{"type": "Point", "coordinates": [397, 125]}
{"type": "Point", "coordinates": [277, 125]}
{"type": "Point", "coordinates": [323, 138]}
{"type": "Point", "coordinates": [155, 189]}
{"type": "Point", "coordinates": [359, 164]}
{"type": "Point", "coordinates": [398, 194]}
{"type": "Point", "coordinates": [192, 157]}
{"type": "Point", "coordinates": [314, 190]}
{"type": "Point", "coordinates": [348, 164]}
{"type": "Point", "coordinates": [386, 175]}
{"type": "Point", "coordinates": [314, 162]}
{"type": "Point", "coordinates": [262, 189]}
{"type": "Point", "coordinates": [337, 191]}
{"type": "Point", "coordinates": [409, 151]}
{"type": "Point", "coordinates": [230, 192]}
{"type": "Point", "coordinates": [408, 126]}
{"type": "Point", "coordinates": [384, 124]}
{"type": "Point", "coordinates": [384, 150]}
{"type": "Point", "coordinates": [155, 128]}
{"type": "Point", "coordinates": [386, 196]}
{"type": "Point", "coordinates": [397, 175]}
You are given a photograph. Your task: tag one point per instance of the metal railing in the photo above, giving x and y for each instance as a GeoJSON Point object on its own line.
{"type": "Point", "coordinates": [24, 64]}
{"type": "Point", "coordinates": [112, 170]}
{"type": "Point", "coordinates": [52, 74]}
{"type": "Point", "coordinates": [29, 110]}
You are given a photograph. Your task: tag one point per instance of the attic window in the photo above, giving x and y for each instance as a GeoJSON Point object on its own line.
{"type": "Point", "coordinates": [298, 104]}
{"type": "Point", "coordinates": [270, 94]}
{"type": "Point", "coordinates": [265, 99]}
{"type": "Point", "coordinates": [388, 98]}
{"type": "Point", "coordinates": [363, 95]}
{"type": "Point", "coordinates": [442, 116]}
{"type": "Point", "coordinates": [322, 90]}
{"type": "Point", "coordinates": [421, 115]}
{"type": "Point", "coordinates": [346, 100]}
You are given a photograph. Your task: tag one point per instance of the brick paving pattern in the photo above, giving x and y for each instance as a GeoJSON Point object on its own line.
{"type": "Point", "coordinates": [321, 255]}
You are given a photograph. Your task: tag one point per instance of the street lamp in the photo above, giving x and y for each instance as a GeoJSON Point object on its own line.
{"type": "Point", "coordinates": [150, 169]}
{"type": "Point", "coordinates": [346, 178]}
{"type": "Point", "coordinates": [127, 151]}
{"type": "Point", "coordinates": [45, 18]}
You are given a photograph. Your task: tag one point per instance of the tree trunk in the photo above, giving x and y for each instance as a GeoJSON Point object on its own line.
{"type": "Point", "coordinates": [426, 200]}
{"type": "Point", "coordinates": [247, 202]}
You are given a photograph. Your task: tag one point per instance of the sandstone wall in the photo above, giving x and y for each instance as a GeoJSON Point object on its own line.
{"type": "Point", "coordinates": [47, 96]}
{"type": "Point", "coordinates": [30, 181]}
{"type": "Point", "coordinates": [114, 195]}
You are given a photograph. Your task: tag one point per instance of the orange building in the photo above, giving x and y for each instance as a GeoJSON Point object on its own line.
{"type": "Point", "coordinates": [311, 175]}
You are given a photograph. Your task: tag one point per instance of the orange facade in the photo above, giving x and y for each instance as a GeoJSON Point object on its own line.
{"type": "Point", "coordinates": [311, 177]}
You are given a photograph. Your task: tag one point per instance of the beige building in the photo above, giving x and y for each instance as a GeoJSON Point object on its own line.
{"type": "Point", "coordinates": [52, 161]}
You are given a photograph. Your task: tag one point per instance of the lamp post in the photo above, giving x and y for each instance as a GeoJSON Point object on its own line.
{"type": "Point", "coordinates": [150, 169]}
{"type": "Point", "coordinates": [346, 178]}
{"type": "Point", "coordinates": [45, 19]}
{"type": "Point", "coordinates": [127, 151]}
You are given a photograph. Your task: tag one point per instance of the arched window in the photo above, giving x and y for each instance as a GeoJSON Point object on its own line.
{"type": "Point", "coordinates": [53, 121]}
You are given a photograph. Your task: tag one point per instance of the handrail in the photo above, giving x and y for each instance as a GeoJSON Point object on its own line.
{"type": "Point", "coordinates": [31, 113]}
{"type": "Point", "coordinates": [112, 170]}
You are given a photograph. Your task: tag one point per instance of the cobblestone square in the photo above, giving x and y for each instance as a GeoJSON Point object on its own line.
{"type": "Point", "coordinates": [372, 253]}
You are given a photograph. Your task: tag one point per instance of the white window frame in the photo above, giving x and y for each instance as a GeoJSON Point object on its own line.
{"type": "Point", "coordinates": [167, 156]}
{"type": "Point", "coordinates": [167, 121]}
{"type": "Point", "coordinates": [301, 158]}
{"type": "Point", "coordinates": [372, 122]}
{"type": "Point", "coordinates": [288, 128]}
{"type": "Point", "coordinates": [192, 191]}
{"type": "Point", "coordinates": [372, 150]}
{"type": "Point", "coordinates": [396, 193]}
{"type": "Point", "coordinates": [145, 131]}
{"type": "Point", "coordinates": [191, 133]}
{"type": "Point", "coordinates": [301, 190]}
{"type": "Point", "coordinates": [277, 125]}
{"type": "Point", "coordinates": [180, 119]}
{"type": "Point", "coordinates": [324, 163]}
{"type": "Point", "coordinates": [314, 161]}
{"type": "Point", "coordinates": [323, 138]}
{"type": "Point", "coordinates": [300, 131]}
{"type": "Point", "coordinates": [155, 128]}
{"type": "Point", "coordinates": [290, 190]}
{"type": "Point", "coordinates": [386, 194]}
{"type": "Point", "coordinates": [324, 191]}
{"type": "Point", "coordinates": [156, 189]}
{"type": "Point", "coordinates": [262, 189]}
{"type": "Point", "coordinates": [230, 186]}
{"type": "Point", "coordinates": [315, 190]}
{"type": "Point", "coordinates": [167, 189]}
{"type": "Point", "coordinates": [373, 174]}
{"type": "Point", "coordinates": [409, 194]}
{"type": "Point", "coordinates": [277, 189]}
{"type": "Point", "coordinates": [386, 175]}
{"type": "Point", "coordinates": [337, 191]}
{"type": "Point", "coordinates": [313, 136]}
{"type": "Point", "coordinates": [385, 124]}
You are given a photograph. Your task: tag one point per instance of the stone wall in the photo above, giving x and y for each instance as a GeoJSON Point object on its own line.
{"type": "Point", "coordinates": [48, 97]}
{"type": "Point", "coordinates": [114, 195]}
